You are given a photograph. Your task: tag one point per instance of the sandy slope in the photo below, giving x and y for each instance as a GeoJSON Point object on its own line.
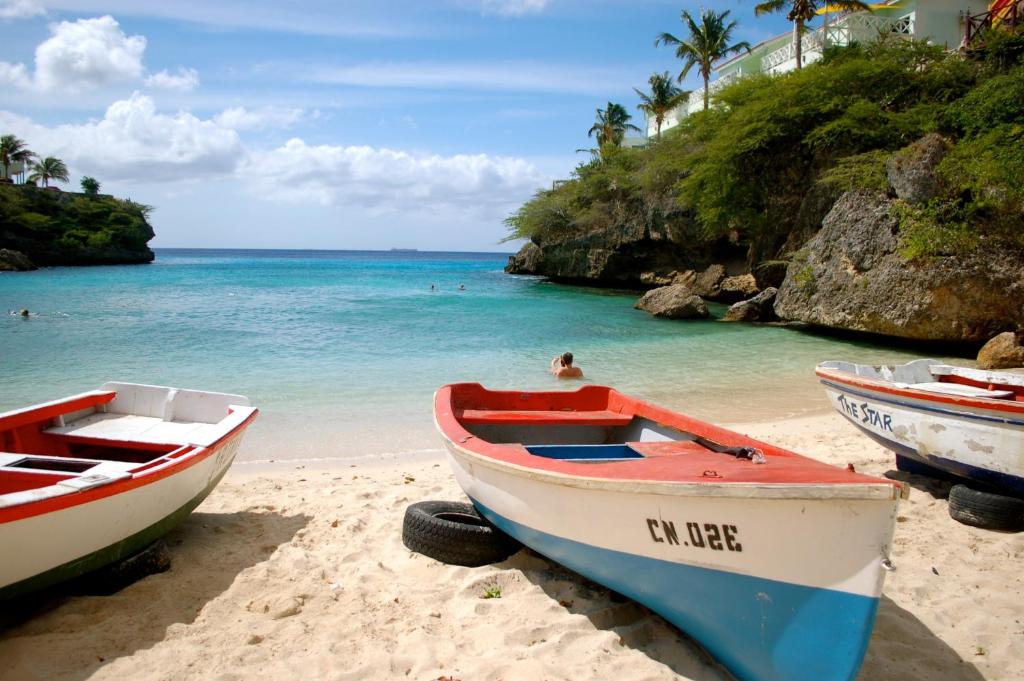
{"type": "Point", "coordinates": [302, 574]}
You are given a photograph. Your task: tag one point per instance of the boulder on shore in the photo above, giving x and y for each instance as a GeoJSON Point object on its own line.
{"type": "Point", "coordinates": [851, 276]}
{"type": "Point", "coordinates": [737, 288]}
{"type": "Point", "coordinates": [913, 173]}
{"type": "Point", "coordinates": [706, 284]}
{"type": "Point", "coordinates": [673, 302]}
{"type": "Point", "coordinates": [14, 261]}
{"type": "Point", "coordinates": [1005, 351]}
{"type": "Point", "coordinates": [760, 308]}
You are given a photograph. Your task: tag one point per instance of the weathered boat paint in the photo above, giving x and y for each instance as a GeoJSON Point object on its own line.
{"type": "Point", "coordinates": [974, 437]}
{"type": "Point", "coordinates": [776, 569]}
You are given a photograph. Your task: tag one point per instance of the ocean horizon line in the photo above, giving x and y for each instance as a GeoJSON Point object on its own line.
{"type": "Point", "coordinates": [396, 251]}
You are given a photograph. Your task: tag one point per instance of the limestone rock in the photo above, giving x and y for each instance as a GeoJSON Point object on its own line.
{"type": "Point", "coordinates": [851, 276]}
{"type": "Point", "coordinates": [657, 278]}
{"type": "Point", "coordinates": [1005, 351]}
{"type": "Point", "coordinates": [618, 246]}
{"type": "Point", "coordinates": [673, 302]}
{"type": "Point", "coordinates": [736, 288]}
{"type": "Point", "coordinates": [14, 261]}
{"type": "Point", "coordinates": [913, 172]}
{"type": "Point", "coordinates": [760, 308]}
{"type": "Point", "coordinates": [527, 261]}
{"type": "Point", "coordinates": [706, 284]}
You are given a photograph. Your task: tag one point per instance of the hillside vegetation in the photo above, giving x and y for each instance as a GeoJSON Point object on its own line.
{"type": "Point", "coordinates": [61, 228]}
{"type": "Point", "coordinates": [777, 151]}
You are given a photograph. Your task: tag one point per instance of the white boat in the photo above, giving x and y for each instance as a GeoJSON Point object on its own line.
{"type": "Point", "coordinates": [90, 479]}
{"type": "Point", "coordinates": [937, 418]}
{"type": "Point", "coordinates": [772, 561]}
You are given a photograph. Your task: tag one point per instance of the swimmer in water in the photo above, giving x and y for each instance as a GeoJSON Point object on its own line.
{"type": "Point", "coordinates": [562, 367]}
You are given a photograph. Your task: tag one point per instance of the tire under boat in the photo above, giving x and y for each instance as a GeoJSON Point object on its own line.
{"type": "Point", "coordinates": [776, 568]}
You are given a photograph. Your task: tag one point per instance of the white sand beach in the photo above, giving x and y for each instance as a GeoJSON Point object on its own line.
{"type": "Point", "coordinates": [301, 573]}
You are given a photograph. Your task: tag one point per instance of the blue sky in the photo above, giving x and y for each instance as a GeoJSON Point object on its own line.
{"type": "Point", "coordinates": [324, 124]}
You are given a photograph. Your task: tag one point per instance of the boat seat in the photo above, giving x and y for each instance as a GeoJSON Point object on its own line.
{"type": "Point", "coordinates": [133, 429]}
{"type": "Point", "coordinates": [960, 390]}
{"type": "Point", "coordinates": [538, 417]}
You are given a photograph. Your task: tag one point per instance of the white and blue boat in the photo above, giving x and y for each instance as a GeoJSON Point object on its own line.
{"type": "Point", "coordinates": [772, 561]}
{"type": "Point", "coordinates": [940, 420]}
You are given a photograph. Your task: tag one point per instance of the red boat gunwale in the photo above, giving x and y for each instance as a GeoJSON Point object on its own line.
{"type": "Point", "coordinates": [176, 464]}
{"type": "Point", "coordinates": [1003, 405]}
{"type": "Point", "coordinates": [664, 462]}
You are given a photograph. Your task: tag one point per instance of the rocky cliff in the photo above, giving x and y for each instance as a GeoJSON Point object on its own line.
{"type": "Point", "coordinates": [640, 251]}
{"type": "Point", "coordinates": [852, 276]}
{"type": "Point", "coordinates": [40, 227]}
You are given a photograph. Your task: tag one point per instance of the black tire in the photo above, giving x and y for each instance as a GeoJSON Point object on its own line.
{"type": "Point", "coordinates": [454, 532]}
{"type": "Point", "coordinates": [986, 510]}
{"type": "Point", "coordinates": [110, 579]}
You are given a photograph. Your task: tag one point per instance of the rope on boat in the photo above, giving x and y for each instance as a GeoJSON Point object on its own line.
{"type": "Point", "coordinates": [752, 454]}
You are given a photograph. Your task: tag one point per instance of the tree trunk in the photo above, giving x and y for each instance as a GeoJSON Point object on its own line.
{"type": "Point", "coordinates": [798, 33]}
{"type": "Point", "coordinates": [705, 90]}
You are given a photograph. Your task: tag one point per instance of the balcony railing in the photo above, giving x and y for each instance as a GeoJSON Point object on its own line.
{"type": "Point", "coordinates": [1009, 16]}
{"type": "Point", "coordinates": [851, 28]}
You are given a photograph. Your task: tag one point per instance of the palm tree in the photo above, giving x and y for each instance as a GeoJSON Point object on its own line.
{"type": "Point", "coordinates": [707, 43]}
{"type": "Point", "coordinates": [13, 150]}
{"type": "Point", "coordinates": [49, 168]}
{"type": "Point", "coordinates": [663, 98]}
{"type": "Point", "coordinates": [90, 186]}
{"type": "Point", "coordinates": [802, 11]}
{"type": "Point", "coordinates": [611, 125]}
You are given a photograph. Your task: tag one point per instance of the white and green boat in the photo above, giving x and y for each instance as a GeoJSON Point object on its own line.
{"type": "Point", "coordinates": [91, 479]}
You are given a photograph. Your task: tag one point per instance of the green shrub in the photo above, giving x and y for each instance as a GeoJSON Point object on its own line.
{"type": "Point", "coordinates": [936, 229]}
{"type": "Point", "coordinates": [860, 171]}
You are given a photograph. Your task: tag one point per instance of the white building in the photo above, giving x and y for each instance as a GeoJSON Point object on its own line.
{"type": "Point", "coordinates": [942, 22]}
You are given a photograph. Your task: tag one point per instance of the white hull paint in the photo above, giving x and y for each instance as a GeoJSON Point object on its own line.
{"type": "Point", "coordinates": [828, 543]}
{"type": "Point", "coordinates": [917, 426]}
{"type": "Point", "coordinates": [49, 540]}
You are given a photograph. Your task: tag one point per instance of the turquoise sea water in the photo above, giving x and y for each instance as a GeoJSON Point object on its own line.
{"type": "Point", "coordinates": [342, 350]}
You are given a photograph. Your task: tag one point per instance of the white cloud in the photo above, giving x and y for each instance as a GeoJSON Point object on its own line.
{"type": "Point", "coordinates": [134, 143]}
{"type": "Point", "coordinates": [240, 118]}
{"type": "Point", "coordinates": [186, 80]}
{"type": "Point", "coordinates": [513, 8]}
{"type": "Point", "coordinates": [20, 9]}
{"type": "Point", "coordinates": [14, 74]}
{"type": "Point", "coordinates": [81, 56]}
{"type": "Point", "coordinates": [389, 179]}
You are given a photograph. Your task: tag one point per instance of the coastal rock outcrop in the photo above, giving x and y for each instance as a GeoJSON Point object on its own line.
{"type": "Point", "coordinates": [526, 261]}
{"type": "Point", "coordinates": [1005, 351]}
{"type": "Point", "coordinates": [913, 172]}
{"type": "Point", "coordinates": [737, 288]}
{"type": "Point", "coordinates": [638, 245]}
{"type": "Point", "coordinates": [14, 261]}
{"type": "Point", "coordinates": [760, 308]}
{"type": "Point", "coordinates": [851, 276]}
{"type": "Point", "coordinates": [68, 228]}
{"type": "Point", "coordinates": [673, 302]}
{"type": "Point", "coordinates": [706, 284]}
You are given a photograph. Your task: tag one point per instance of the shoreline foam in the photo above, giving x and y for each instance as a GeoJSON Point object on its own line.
{"type": "Point", "coordinates": [302, 574]}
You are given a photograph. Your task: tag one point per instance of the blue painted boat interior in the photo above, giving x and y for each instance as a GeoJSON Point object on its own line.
{"type": "Point", "coordinates": [614, 452]}
{"type": "Point", "coordinates": [759, 629]}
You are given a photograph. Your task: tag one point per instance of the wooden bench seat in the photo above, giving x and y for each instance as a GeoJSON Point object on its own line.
{"type": "Point", "coordinates": [537, 417]}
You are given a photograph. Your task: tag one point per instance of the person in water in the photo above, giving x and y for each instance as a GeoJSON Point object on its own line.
{"type": "Point", "coordinates": [562, 367]}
